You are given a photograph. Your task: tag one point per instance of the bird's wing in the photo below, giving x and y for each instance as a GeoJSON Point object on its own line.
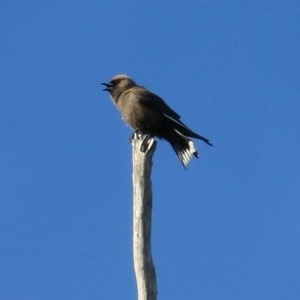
{"type": "Point", "coordinates": [155, 103]}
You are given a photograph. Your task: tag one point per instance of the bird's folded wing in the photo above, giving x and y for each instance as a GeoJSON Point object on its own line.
{"type": "Point", "coordinates": [155, 103]}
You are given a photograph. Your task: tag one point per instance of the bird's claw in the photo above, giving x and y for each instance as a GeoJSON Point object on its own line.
{"type": "Point", "coordinates": [137, 134]}
{"type": "Point", "coordinates": [146, 140]}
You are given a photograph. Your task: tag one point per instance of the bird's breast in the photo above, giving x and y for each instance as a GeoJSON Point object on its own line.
{"type": "Point", "coordinates": [141, 118]}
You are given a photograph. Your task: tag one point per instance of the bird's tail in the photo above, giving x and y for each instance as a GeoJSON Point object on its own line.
{"type": "Point", "coordinates": [183, 130]}
{"type": "Point", "coordinates": [183, 147]}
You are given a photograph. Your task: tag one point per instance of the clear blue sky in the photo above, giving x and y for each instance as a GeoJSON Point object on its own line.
{"type": "Point", "coordinates": [228, 227]}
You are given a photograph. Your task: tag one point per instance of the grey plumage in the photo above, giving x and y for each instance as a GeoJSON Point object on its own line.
{"type": "Point", "coordinates": [149, 114]}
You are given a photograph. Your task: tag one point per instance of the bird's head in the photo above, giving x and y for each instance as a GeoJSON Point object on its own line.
{"type": "Point", "coordinates": [118, 84]}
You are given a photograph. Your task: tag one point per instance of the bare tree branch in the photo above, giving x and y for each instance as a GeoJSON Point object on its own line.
{"type": "Point", "coordinates": [143, 150]}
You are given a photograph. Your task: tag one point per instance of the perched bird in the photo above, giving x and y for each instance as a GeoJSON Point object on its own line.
{"type": "Point", "coordinates": [149, 114]}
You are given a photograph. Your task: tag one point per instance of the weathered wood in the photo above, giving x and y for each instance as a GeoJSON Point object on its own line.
{"type": "Point", "coordinates": [142, 152]}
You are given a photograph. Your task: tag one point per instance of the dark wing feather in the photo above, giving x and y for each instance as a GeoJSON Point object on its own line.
{"type": "Point", "coordinates": [155, 103]}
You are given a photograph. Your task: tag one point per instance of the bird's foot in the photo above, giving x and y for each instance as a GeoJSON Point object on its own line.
{"type": "Point", "coordinates": [137, 134]}
{"type": "Point", "coordinates": [147, 140]}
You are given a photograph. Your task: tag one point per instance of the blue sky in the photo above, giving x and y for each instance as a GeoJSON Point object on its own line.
{"type": "Point", "coordinates": [228, 227]}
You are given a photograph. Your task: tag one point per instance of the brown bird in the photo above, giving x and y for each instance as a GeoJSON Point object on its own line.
{"type": "Point", "coordinates": [149, 114]}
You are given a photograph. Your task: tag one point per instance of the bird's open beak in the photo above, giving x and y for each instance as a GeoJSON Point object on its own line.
{"type": "Point", "coordinates": [108, 87]}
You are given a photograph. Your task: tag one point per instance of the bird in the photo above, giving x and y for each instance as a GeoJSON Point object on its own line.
{"type": "Point", "coordinates": [148, 114]}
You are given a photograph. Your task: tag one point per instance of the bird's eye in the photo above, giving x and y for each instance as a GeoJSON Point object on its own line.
{"type": "Point", "coordinates": [115, 81]}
